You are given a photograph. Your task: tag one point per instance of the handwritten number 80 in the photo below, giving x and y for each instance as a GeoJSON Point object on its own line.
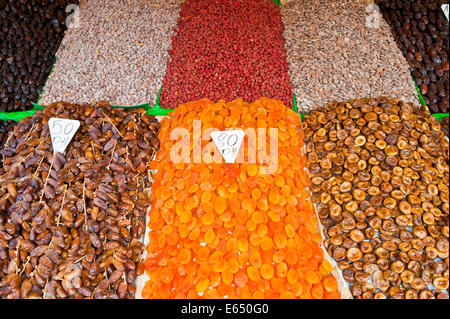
{"type": "Point", "coordinates": [231, 141]}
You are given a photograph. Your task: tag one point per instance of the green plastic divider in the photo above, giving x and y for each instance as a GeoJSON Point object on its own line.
{"type": "Point", "coordinates": [294, 103]}
{"type": "Point", "coordinates": [157, 110]}
{"type": "Point", "coordinates": [37, 107]}
{"type": "Point", "coordinates": [15, 116]}
{"type": "Point", "coordinates": [158, 97]}
{"type": "Point", "coordinates": [440, 116]}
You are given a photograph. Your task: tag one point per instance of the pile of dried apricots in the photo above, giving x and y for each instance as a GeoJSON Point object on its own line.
{"type": "Point", "coordinates": [220, 230]}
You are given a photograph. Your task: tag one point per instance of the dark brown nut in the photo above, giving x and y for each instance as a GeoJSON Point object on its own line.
{"type": "Point", "coordinates": [391, 201]}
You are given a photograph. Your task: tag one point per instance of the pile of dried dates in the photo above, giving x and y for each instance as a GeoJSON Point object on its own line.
{"type": "Point", "coordinates": [30, 34]}
{"type": "Point", "coordinates": [379, 177]}
{"type": "Point", "coordinates": [71, 224]}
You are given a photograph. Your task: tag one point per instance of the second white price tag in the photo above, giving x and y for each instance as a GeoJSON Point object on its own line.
{"type": "Point", "coordinates": [62, 132]}
{"type": "Point", "coordinates": [445, 9]}
{"type": "Point", "coordinates": [228, 143]}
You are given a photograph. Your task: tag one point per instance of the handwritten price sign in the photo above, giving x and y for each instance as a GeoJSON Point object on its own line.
{"type": "Point", "coordinates": [445, 9]}
{"type": "Point", "coordinates": [62, 132]}
{"type": "Point", "coordinates": [228, 143]}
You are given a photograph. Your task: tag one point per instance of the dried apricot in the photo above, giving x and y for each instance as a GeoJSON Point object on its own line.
{"type": "Point", "coordinates": [235, 230]}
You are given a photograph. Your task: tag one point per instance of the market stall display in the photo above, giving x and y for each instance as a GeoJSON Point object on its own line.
{"type": "Point", "coordinates": [30, 34]}
{"type": "Point", "coordinates": [226, 50]}
{"type": "Point", "coordinates": [343, 200]}
{"type": "Point", "coordinates": [335, 54]}
{"type": "Point", "coordinates": [70, 225]}
{"type": "Point", "coordinates": [421, 30]}
{"type": "Point", "coordinates": [379, 177]}
{"type": "Point", "coordinates": [117, 52]}
{"type": "Point", "coordinates": [244, 229]}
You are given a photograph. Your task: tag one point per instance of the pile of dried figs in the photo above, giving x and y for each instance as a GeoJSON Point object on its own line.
{"type": "Point", "coordinates": [379, 178]}
{"type": "Point", "coordinates": [71, 224]}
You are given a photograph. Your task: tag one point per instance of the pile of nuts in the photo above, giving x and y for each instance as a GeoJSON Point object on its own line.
{"type": "Point", "coordinates": [30, 34]}
{"type": "Point", "coordinates": [225, 50]}
{"type": "Point", "coordinates": [116, 51]}
{"type": "Point", "coordinates": [71, 225]}
{"type": "Point", "coordinates": [341, 50]}
{"type": "Point", "coordinates": [421, 31]}
{"type": "Point", "coordinates": [379, 178]}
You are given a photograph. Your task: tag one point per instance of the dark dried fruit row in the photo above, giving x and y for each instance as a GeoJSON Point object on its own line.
{"type": "Point", "coordinates": [226, 50]}
{"type": "Point", "coordinates": [379, 177]}
{"type": "Point", "coordinates": [30, 34]}
{"type": "Point", "coordinates": [421, 31]}
{"type": "Point", "coordinates": [70, 225]}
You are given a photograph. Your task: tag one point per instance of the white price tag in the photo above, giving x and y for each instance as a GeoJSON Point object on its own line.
{"type": "Point", "coordinates": [445, 9]}
{"type": "Point", "coordinates": [228, 143]}
{"type": "Point", "coordinates": [62, 132]}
